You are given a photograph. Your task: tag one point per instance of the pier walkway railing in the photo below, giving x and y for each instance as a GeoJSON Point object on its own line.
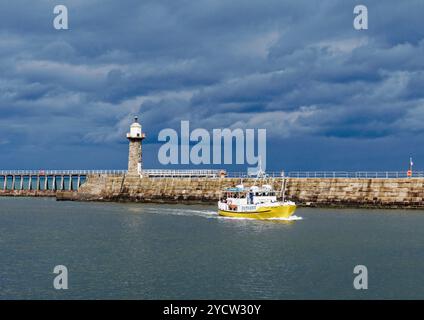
{"type": "Point", "coordinates": [277, 174]}
{"type": "Point", "coordinates": [153, 173]}
{"type": "Point", "coordinates": [217, 173]}
{"type": "Point", "coordinates": [358, 174]}
{"type": "Point", "coordinates": [59, 172]}
{"type": "Point", "coordinates": [334, 174]}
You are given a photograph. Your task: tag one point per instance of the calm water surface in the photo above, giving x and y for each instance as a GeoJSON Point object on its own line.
{"type": "Point", "coordinates": [146, 251]}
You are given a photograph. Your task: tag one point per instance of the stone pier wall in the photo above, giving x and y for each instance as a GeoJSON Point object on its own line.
{"type": "Point", "coordinates": [320, 192]}
{"type": "Point", "coordinates": [370, 193]}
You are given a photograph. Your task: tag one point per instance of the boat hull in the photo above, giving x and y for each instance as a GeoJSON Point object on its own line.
{"type": "Point", "coordinates": [263, 213]}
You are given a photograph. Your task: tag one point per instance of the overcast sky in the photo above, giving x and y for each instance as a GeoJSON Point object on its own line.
{"type": "Point", "coordinates": [331, 97]}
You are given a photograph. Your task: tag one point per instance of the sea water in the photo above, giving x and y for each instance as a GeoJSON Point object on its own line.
{"type": "Point", "coordinates": [150, 251]}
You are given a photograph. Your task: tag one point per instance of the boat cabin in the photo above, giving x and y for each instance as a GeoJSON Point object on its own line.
{"type": "Point", "coordinates": [240, 195]}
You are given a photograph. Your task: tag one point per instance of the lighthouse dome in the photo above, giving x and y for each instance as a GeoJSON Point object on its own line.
{"type": "Point", "coordinates": [135, 129]}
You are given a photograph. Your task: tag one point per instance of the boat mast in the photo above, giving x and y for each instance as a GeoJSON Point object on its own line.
{"type": "Point", "coordinates": [283, 186]}
{"type": "Point", "coordinates": [260, 174]}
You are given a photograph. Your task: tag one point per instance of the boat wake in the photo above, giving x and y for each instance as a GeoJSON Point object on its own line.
{"type": "Point", "coordinates": [292, 218]}
{"type": "Point", "coordinates": [208, 214]}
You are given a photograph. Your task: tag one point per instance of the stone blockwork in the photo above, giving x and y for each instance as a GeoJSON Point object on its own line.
{"type": "Point", "coordinates": [338, 192]}
{"type": "Point", "coordinates": [372, 193]}
{"type": "Point", "coordinates": [134, 156]}
{"type": "Point", "coordinates": [134, 188]}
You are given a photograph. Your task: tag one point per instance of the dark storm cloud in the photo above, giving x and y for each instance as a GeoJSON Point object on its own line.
{"type": "Point", "coordinates": [296, 68]}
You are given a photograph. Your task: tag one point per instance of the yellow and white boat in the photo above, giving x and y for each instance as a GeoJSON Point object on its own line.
{"type": "Point", "coordinates": [255, 203]}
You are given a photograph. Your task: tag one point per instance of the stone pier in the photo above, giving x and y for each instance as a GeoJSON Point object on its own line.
{"type": "Point", "coordinates": [315, 192]}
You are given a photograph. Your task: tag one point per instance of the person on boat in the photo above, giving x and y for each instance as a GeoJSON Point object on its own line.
{"type": "Point", "coordinates": [250, 197]}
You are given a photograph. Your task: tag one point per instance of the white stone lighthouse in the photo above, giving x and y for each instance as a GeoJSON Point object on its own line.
{"type": "Point", "coordinates": [135, 137]}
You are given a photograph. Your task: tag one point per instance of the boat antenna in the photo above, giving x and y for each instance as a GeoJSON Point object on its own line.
{"type": "Point", "coordinates": [260, 174]}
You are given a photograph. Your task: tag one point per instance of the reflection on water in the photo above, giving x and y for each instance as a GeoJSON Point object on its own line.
{"type": "Point", "coordinates": [147, 251]}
